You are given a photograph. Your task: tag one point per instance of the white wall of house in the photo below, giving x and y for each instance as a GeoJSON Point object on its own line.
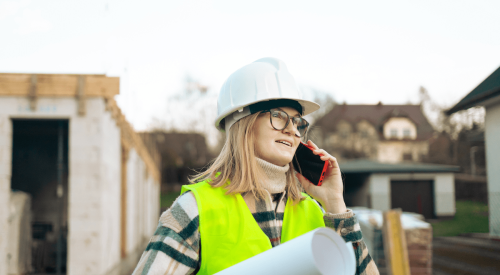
{"type": "Point", "coordinates": [380, 190]}
{"type": "Point", "coordinates": [492, 138]}
{"type": "Point", "coordinates": [444, 190]}
{"type": "Point", "coordinates": [444, 194]}
{"type": "Point", "coordinates": [94, 183]}
{"type": "Point", "coordinates": [393, 151]}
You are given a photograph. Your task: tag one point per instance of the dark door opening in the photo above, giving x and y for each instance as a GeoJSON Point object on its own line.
{"type": "Point", "coordinates": [39, 168]}
{"type": "Point", "coordinates": [413, 196]}
{"type": "Point", "coordinates": [356, 192]}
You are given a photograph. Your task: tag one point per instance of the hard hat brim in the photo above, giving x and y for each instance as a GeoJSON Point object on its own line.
{"type": "Point", "coordinates": [308, 107]}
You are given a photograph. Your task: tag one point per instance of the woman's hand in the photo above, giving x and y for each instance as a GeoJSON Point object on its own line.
{"type": "Point", "coordinates": [330, 193]}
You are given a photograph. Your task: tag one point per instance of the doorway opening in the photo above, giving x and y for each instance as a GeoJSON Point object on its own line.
{"type": "Point", "coordinates": [40, 169]}
{"type": "Point", "coordinates": [414, 196]}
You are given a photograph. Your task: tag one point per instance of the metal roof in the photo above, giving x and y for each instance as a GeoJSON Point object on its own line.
{"type": "Point", "coordinates": [370, 166]}
{"type": "Point", "coordinates": [487, 89]}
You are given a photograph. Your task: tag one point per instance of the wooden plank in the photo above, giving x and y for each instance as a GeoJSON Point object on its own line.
{"type": "Point", "coordinates": [80, 95]}
{"type": "Point", "coordinates": [59, 85]}
{"type": "Point", "coordinates": [33, 92]}
{"type": "Point", "coordinates": [102, 86]}
{"type": "Point", "coordinates": [15, 84]}
{"type": "Point", "coordinates": [395, 249]}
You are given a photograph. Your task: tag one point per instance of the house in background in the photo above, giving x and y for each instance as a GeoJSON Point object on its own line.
{"type": "Point", "coordinates": [88, 177]}
{"type": "Point", "coordinates": [380, 149]}
{"type": "Point", "coordinates": [386, 133]}
{"type": "Point", "coordinates": [487, 94]}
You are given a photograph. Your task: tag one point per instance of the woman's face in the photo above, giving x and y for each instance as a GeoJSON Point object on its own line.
{"type": "Point", "coordinates": [274, 146]}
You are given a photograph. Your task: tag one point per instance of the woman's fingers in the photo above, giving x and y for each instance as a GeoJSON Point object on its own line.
{"type": "Point", "coordinates": [312, 144]}
{"type": "Point", "coordinates": [320, 152]}
{"type": "Point", "coordinates": [304, 182]}
{"type": "Point", "coordinates": [324, 156]}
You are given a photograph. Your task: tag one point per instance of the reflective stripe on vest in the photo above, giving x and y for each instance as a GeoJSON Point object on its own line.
{"type": "Point", "coordinates": [229, 233]}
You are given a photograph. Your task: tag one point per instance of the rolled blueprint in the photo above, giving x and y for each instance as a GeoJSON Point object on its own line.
{"type": "Point", "coordinates": [321, 251]}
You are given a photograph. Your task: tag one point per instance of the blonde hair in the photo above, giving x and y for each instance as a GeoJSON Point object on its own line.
{"type": "Point", "coordinates": [237, 163]}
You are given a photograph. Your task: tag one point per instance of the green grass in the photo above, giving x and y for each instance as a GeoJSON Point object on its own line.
{"type": "Point", "coordinates": [166, 199]}
{"type": "Point", "coordinates": [471, 217]}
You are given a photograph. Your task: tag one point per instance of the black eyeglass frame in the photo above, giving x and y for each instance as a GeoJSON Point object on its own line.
{"type": "Point", "coordinates": [287, 121]}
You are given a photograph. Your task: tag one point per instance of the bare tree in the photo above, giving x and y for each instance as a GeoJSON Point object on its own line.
{"type": "Point", "coordinates": [450, 124]}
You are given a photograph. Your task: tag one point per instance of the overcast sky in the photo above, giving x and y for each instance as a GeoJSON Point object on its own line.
{"type": "Point", "coordinates": [359, 51]}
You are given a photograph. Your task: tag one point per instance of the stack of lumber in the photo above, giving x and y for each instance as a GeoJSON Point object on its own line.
{"type": "Point", "coordinates": [418, 235]}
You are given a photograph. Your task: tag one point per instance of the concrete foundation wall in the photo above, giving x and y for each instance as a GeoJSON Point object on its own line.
{"type": "Point", "coordinates": [111, 192]}
{"type": "Point", "coordinates": [142, 203]}
{"type": "Point", "coordinates": [492, 137]}
{"type": "Point", "coordinates": [133, 199]}
{"type": "Point", "coordinates": [94, 181]}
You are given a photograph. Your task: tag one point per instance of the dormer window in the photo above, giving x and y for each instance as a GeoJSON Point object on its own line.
{"type": "Point", "coordinates": [394, 133]}
{"type": "Point", "coordinates": [399, 128]}
{"type": "Point", "coordinates": [406, 133]}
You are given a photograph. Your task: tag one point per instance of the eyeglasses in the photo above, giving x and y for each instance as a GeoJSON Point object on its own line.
{"type": "Point", "coordinates": [280, 119]}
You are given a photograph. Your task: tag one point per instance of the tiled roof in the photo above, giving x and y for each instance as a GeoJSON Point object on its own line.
{"type": "Point", "coordinates": [487, 89]}
{"type": "Point", "coordinates": [377, 115]}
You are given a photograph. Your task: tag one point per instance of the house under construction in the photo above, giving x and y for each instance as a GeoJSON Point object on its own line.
{"type": "Point", "coordinates": [79, 191]}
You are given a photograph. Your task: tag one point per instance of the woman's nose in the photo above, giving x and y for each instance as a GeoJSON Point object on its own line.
{"type": "Point", "coordinates": [291, 128]}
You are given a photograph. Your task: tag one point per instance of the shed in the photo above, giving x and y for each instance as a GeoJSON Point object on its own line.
{"type": "Point", "coordinates": [93, 185]}
{"type": "Point", "coordinates": [487, 94]}
{"type": "Point", "coordinates": [423, 188]}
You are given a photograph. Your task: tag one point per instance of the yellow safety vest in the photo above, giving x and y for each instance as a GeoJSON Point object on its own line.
{"type": "Point", "coordinates": [229, 233]}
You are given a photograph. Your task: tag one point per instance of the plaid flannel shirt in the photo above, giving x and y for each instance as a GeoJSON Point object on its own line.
{"type": "Point", "coordinates": [175, 246]}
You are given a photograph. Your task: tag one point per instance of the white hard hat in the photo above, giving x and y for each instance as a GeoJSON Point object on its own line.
{"type": "Point", "coordinates": [264, 81]}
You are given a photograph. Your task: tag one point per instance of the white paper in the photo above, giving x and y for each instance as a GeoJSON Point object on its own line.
{"type": "Point", "coordinates": [321, 251]}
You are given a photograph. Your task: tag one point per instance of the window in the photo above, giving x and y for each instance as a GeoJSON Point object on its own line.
{"type": "Point", "coordinates": [407, 156]}
{"type": "Point", "coordinates": [364, 134]}
{"type": "Point", "coordinates": [394, 133]}
{"type": "Point", "coordinates": [406, 133]}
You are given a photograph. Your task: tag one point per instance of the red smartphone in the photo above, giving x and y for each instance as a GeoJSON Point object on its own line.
{"type": "Point", "coordinates": [309, 165]}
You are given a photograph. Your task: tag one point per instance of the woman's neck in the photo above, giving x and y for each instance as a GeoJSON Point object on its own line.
{"type": "Point", "coordinates": [276, 176]}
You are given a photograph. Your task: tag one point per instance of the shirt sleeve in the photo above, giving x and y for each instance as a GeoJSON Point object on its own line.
{"type": "Point", "coordinates": [175, 245]}
{"type": "Point", "coordinates": [347, 226]}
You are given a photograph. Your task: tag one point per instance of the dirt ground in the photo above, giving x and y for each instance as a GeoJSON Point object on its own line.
{"type": "Point", "coordinates": [465, 256]}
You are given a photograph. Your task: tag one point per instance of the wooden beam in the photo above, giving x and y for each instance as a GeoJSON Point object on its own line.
{"type": "Point", "coordinates": [58, 85]}
{"type": "Point", "coordinates": [80, 95]}
{"type": "Point", "coordinates": [395, 249]}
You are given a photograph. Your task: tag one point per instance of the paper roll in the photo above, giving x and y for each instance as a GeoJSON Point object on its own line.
{"type": "Point", "coordinates": [321, 251]}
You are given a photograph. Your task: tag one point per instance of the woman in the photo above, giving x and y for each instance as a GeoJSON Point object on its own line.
{"type": "Point", "coordinates": [249, 199]}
